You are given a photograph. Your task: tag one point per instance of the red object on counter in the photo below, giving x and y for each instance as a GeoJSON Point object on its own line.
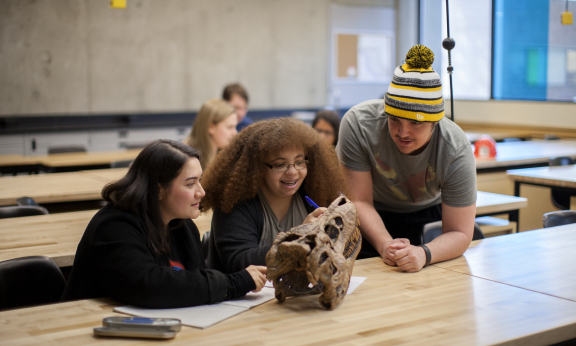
{"type": "Point", "coordinates": [485, 147]}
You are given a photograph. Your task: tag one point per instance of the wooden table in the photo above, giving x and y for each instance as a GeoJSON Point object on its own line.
{"type": "Point", "coordinates": [473, 136]}
{"type": "Point", "coordinates": [528, 153]}
{"type": "Point", "coordinates": [434, 307]}
{"type": "Point", "coordinates": [562, 178]}
{"type": "Point", "coordinates": [106, 175]}
{"type": "Point", "coordinates": [17, 163]}
{"type": "Point", "coordinates": [50, 188]}
{"type": "Point", "coordinates": [93, 158]}
{"type": "Point", "coordinates": [540, 261]}
{"type": "Point", "coordinates": [55, 235]}
{"type": "Point", "coordinates": [494, 204]}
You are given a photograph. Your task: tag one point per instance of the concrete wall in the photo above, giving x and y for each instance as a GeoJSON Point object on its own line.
{"type": "Point", "coordinates": [82, 57]}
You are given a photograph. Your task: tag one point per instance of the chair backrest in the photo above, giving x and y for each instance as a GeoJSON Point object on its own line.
{"type": "Point", "coordinates": [30, 281]}
{"type": "Point", "coordinates": [206, 243]}
{"type": "Point", "coordinates": [560, 161]}
{"type": "Point", "coordinates": [121, 164]}
{"type": "Point", "coordinates": [434, 229]}
{"type": "Point", "coordinates": [26, 201]}
{"type": "Point", "coordinates": [66, 149]}
{"type": "Point", "coordinates": [21, 210]}
{"type": "Point", "coordinates": [559, 218]}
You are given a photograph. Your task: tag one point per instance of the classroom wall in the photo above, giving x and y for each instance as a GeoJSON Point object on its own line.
{"type": "Point", "coordinates": [82, 57]}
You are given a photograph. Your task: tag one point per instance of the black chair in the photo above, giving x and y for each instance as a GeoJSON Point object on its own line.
{"type": "Point", "coordinates": [28, 281]}
{"type": "Point", "coordinates": [26, 201]}
{"type": "Point", "coordinates": [559, 218]}
{"type": "Point", "coordinates": [66, 149]}
{"type": "Point", "coordinates": [434, 229]}
{"type": "Point", "coordinates": [206, 244]}
{"type": "Point", "coordinates": [121, 164]}
{"type": "Point", "coordinates": [560, 199]}
{"type": "Point", "coordinates": [22, 210]}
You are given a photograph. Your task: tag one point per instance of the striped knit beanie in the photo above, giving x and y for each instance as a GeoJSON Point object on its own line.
{"type": "Point", "coordinates": [416, 90]}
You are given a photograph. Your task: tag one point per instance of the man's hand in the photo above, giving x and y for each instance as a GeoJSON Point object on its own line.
{"type": "Point", "coordinates": [391, 247]}
{"type": "Point", "coordinates": [411, 258]}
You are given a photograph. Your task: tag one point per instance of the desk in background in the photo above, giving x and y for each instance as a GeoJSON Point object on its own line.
{"type": "Point", "coordinates": [50, 188]}
{"type": "Point", "coordinates": [494, 204]}
{"type": "Point", "coordinates": [66, 161]}
{"type": "Point", "coordinates": [526, 154]}
{"type": "Point", "coordinates": [55, 235]}
{"type": "Point", "coordinates": [473, 136]}
{"type": "Point", "coordinates": [560, 177]}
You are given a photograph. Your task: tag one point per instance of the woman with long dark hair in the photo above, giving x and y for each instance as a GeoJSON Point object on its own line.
{"type": "Point", "coordinates": [143, 249]}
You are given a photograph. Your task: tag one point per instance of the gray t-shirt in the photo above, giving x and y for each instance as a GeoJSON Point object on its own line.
{"type": "Point", "coordinates": [444, 172]}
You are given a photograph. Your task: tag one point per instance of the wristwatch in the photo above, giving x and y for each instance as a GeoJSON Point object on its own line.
{"type": "Point", "coordinates": [428, 255]}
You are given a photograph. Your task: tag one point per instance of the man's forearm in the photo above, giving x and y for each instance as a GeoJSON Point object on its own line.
{"type": "Point", "coordinates": [372, 226]}
{"type": "Point", "coordinates": [448, 246]}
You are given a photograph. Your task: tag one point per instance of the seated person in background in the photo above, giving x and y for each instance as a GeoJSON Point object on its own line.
{"type": "Point", "coordinates": [327, 123]}
{"type": "Point", "coordinates": [408, 165]}
{"type": "Point", "coordinates": [236, 95]}
{"type": "Point", "coordinates": [256, 187]}
{"type": "Point", "coordinates": [143, 249]}
{"type": "Point", "coordinates": [214, 126]}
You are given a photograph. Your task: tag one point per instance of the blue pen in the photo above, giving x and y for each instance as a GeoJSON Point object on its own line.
{"type": "Point", "coordinates": [311, 202]}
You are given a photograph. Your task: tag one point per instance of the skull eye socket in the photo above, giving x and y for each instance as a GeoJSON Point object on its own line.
{"type": "Point", "coordinates": [338, 221]}
{"type": "Point", "coordinates": [291, 237]}
{"type": "Point", "coordinates": [332, 232]}
{"type": "Point", "coordinates": [342, 201]}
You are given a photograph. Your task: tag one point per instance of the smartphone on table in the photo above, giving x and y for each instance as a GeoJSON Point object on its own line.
{"type": "Point", "coordinates": [139, 327]}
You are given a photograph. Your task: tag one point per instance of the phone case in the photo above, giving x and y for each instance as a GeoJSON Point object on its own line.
{"type": "Point", "coordinates": [131, 332]}
{"type": "Point", "coordinates": [169, 324]}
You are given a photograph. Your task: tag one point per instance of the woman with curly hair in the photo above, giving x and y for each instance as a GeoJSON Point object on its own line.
{"type": "Point", "coordinates": [256, 187]}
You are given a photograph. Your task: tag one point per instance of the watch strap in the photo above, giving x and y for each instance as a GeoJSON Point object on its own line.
{"type": "Point", "coordinates": [428, 255]}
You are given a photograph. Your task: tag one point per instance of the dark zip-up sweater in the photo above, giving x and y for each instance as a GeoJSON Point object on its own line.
{"type": "Point", "coordinates": [113, 260]}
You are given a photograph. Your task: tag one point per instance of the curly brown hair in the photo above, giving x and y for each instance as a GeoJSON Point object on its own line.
{"type": "Point", "coordinates": [236, 173]}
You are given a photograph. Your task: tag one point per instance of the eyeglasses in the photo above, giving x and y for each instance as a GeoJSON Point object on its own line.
{"type": "Point", "coordinates": [284, 167]}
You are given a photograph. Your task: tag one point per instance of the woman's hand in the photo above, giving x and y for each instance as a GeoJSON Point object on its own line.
{"type": "Point", "coordinates": [258, 274]}
{"type": "Point", "coordinates": [313, 216]}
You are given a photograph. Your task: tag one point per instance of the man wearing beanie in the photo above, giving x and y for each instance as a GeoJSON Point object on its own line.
{"type": "Point", "coordinates": [407, 166]}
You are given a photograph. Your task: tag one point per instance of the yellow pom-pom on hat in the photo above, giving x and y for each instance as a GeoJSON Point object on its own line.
{"type": "Point", "coordinates": [420, 56]}
{"type": "Point", "coordinates": [415, 92]}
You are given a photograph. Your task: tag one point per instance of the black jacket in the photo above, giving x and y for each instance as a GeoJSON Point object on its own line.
{"type": "Point", "coordinates": [113, 260]}
{"type": "Point", "coordinates": [235, 237]}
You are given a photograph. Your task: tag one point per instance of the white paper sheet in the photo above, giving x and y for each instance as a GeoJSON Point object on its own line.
{"type": "Point", "coordinates": [204, 316]}
{"type": "Point", "coordinates": [198, 316]}
{"type": "Point", "coordinates": [355, 281]}
{"type": "Point", "coordinates": [253, 299]}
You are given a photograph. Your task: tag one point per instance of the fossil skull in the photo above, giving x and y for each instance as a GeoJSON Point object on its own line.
{"type": "Point", "coordinates": [318, 257]}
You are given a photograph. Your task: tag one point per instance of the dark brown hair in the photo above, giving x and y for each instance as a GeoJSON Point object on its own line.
{"type": "Point", "coordinates": [234, 88]}
{"type": "Point", "coordinates": [236, 173]}
{"type": "Point", "coordinates": [332, 118]}
{"type": "Point", "coordinates": [138, 191]}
